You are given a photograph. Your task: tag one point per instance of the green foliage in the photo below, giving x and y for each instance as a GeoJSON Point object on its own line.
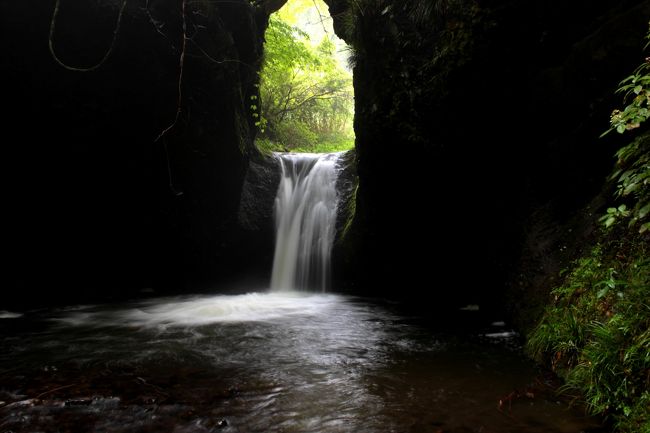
{"type": "Point", "coordinates": [596, 333]}
{"type": "Point", "coordinates": [266, 146]}
{"type": "Point", "coordinates": [350, 211]}
{"type": "Point", "coordinates": [306, 96]}
{"type": "Point", "coordinates": [336, 144]}
{"type": "Point", "coordinates": [636, 90]}
{"type": "Point", "coordinates": [633, 167]}
{"type": "Point", "coordinates": [633, 183]}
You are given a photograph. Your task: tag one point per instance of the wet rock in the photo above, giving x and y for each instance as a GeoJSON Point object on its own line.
{"type": "Point", "coordinates": [258, 194]}
{"type": "Point", "coordinates": [106, 402]}
{"type": "Point", "coordinates": [23, 403]}
{"type": "Point", "coordinates": [222, 423]}
{"type": "Point", "coordinates": [148, 400]}
{"type": "Point", "coordinates": [345, 188]}
{"type": "Point", "coordinates": [79, 402]}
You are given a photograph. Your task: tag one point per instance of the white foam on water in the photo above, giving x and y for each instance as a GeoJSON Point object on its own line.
{"type": "Point", "coordinates": [204, 310]}
{"type": "Point", "coordinates": [9, 315]}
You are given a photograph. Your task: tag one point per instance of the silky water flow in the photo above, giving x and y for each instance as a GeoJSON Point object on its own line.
{"type": "Point", "coordinates": [305, 216]}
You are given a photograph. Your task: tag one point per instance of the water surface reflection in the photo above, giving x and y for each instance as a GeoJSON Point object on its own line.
{"type": "Point", "coordinates": [264, 363]}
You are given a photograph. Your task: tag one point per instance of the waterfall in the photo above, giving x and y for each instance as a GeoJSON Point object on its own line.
{"type": "Point", "coordinates": [305, 218]}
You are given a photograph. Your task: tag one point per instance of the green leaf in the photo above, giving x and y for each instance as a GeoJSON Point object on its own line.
{"type": "Point", "coordinates": [626, 174]}
{"type": "Point", "coordinates": [643, 212]}
{"type": "Point", "coordinates": [627, 410]}
{"type": "Point", "coordinates": [620, 128]}
{"type": "Point", "coordinates": [632, 187]}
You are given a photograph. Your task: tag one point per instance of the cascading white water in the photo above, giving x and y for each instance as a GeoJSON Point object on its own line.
{"type": "Point", "coordinates": [305, 217]}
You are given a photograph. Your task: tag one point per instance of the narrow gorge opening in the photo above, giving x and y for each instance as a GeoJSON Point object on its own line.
{"type": "Point", "coordinates": [304, 114]}
{"type": "Point", "coordinates": [306, 101]}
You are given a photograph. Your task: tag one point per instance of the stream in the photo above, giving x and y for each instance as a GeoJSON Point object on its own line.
{"type": "Point", "coordinates": [269, 362]}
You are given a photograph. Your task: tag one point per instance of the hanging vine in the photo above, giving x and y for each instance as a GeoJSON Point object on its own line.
{"type": "Point", "coordinates": [181, 62]}
{"type": "Point", "coordinates": [108, 52]}
{"type": "Point", "coordinates": [179, 107]}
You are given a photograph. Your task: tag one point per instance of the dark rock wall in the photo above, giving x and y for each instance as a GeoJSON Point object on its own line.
{"type": "Point", "coordinates": [94, 207]}
{"type": "Point", "coordinates": [470, 116]}
{"type": "Point", "coordinates": [256, 215]}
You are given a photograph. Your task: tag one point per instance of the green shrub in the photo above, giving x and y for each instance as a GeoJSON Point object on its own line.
{"type": "Point", "coordinates": [633, 166]}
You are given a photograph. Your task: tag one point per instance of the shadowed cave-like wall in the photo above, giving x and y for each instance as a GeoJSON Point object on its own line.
{"type": "Point", "coordinates": [95, 206]}
{"type": "Point", "coordinates": [472, 117]}
{"type": "Point", "coordinates": [477, 127]}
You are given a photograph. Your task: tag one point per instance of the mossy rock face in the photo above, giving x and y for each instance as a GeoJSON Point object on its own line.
{"type": "Point", "coordinates": [594, 328]}
{"type": "Point", "coordinates": [346, 191]}
{"type": "Point", "coordinates": [94, 200]}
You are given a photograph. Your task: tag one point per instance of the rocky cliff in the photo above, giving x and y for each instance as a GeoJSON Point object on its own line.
{"type": "Point", "coordinates": [99, 201]}
{"type": "Point", "coordinates": [471, 116]}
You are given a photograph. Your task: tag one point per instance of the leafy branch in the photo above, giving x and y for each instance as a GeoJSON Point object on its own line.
{"type": "Point", "coordinates": [636, 89]}
{"type": "Point", "coordinates": [633, 165]}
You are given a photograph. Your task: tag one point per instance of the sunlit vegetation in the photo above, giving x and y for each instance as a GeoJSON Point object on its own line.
{"type": "Point", "coordinates": [306, 94]}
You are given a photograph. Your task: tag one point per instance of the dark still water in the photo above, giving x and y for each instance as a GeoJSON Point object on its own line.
{"type": "Point", "coordinates": [266, 363]}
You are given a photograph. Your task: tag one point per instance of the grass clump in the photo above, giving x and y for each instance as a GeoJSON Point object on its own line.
{"type": "Point", "coordinates": [595, 333]}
